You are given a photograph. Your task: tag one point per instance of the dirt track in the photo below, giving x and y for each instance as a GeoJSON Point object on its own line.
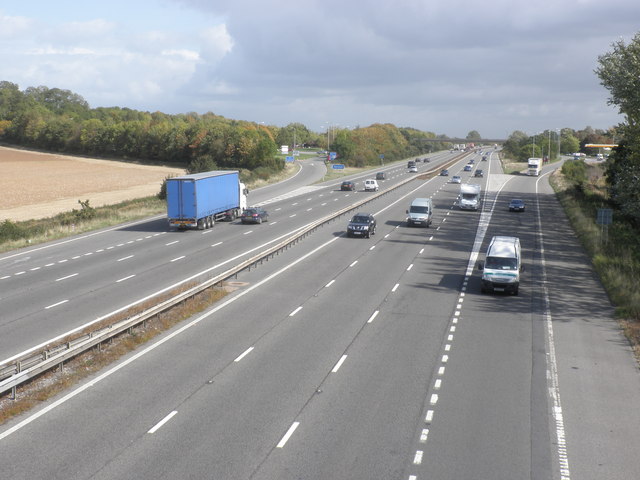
{"type": "Point", "coordinates": [39, 185]}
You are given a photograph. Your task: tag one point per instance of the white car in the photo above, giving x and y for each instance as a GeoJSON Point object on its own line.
{"type": "Point", "coordinates": [456, 179]}
{"type": "Point", "coordinates": [413, 169]}
{"type": "Point", "coordinates": [370, 185]}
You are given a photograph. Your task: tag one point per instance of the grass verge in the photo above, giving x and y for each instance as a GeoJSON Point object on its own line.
{"type": "Point", "coordinates": [615, 255]}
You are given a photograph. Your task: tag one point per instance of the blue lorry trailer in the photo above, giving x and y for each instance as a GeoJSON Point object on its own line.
{"type": "Point", "coordinates": [201, 199]}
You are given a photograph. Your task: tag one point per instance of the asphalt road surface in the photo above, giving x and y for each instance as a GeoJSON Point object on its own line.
{"type": "Point", "coordinates": [343, 357]}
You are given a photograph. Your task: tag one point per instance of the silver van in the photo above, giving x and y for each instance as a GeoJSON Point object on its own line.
{"type": "Point", "coordinates": [420, 212]}
{"type": "Point", "coordinates": [502, 266]}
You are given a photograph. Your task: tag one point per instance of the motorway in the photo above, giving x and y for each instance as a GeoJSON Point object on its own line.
{"type": "Point", "coordinates": [341, 358]}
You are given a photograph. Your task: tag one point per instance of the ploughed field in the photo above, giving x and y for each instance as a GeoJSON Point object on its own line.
{"type": "Point", "coordinates": [39, 185]}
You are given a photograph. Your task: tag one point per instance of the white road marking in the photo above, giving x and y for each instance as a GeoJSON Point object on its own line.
{"type": "Point", "coordinates": [244, 354]}
{"type": "Point", "coordinates": [409, 267]}
{"type": "Point", "coordinates": [424, 435]}
{"type": "Point", "coordinates": [66, 260]}
{"type": "Point", "coordinates": [445, 358]}
{"type": "Point", "coordinates": [352, 264]}
{"type": "Point", "coordinates": [216, 244]}
{"type": "Point", "coordinates": [171, 243]}
{"type": "Point", "coordinates": [178, 258]}
{"type": "Point", "coordinates": [64, 278]}
{"type": "Point", "coordinates": [429, 417]}
{"type": "Point", "coordinates": [339, 364]}
{"type": "Point", "coordinates": [247, 233]}
{"type": "Point", "coordinates": [125, 278]}
{"type": "Point", "coordinates": [287, 435]}
{"type": "Point", "coordinates": [373, 315]}
{"type": "Point", "coordinates": [437, 384]}
{"type": "Point", "coordinates": [434, 399]}
{"type": "Point", "coordinates": [372, 247]}
{"type": "Point", "coordinates": [417, 460]}
{"type": "Point", "coordinates": [20, 273]}
{"type": "Point", "coordinates": [56, 304]}
{"type": "Point", "coordinates": [124, 258]}
{"type": "Point", "coordinates": [395, 287]}
{"type": "Point", "coordinates": [330, 283]}
{"type": "Point", "coordinates": [49, 264]}
{"type": "Point", "coordinates": [162, 422]}
{"type": "Point", "coordinates": [295, 311]}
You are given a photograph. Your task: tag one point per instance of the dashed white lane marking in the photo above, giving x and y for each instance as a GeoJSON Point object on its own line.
{"type": "Point", "coordinates": [356, 261]}
{"type": "Point", "coordinates": [434, 399]}
{"type": "Point", "coordinates": [437, 384]}
{"type": "Point", "coordinates": [445, 358]}
{"type": "Point", "coordinates": [244, 354]}
{"type": "Point", "coordinates": [287, 435]}
{"type": "Point", "coordinates": [372, 247]}
{"type": "Point", "coordinates": [6, 276]}
{"type": "Point", "coordinates": [65, 260]}
{"type": "Point", "coordinates": [64, 278]}
{"type": "Point", "coordinates": [178, 258]}
{"type": "Point", "coordinates": [429, 417]}
{"type": "Point", "coordinates": [171, 243]}
{"type": "Point", "coordinates": [424, 436]}
{"type": "Point", "coordinates": [421, 250]}
{"type": "Point", "coordinates": [447, 347]}
{"type": "Point", "coordinates": [417, 460]}
{"type": "Point", "coordinates": [124, 258]}
{"type": "Point", "coordinates": [20, 273]}
{"type": "Point", "coordinates": [373, 315]}
{"type": "Point", "coordinates": [441, 371]}
{"type": "Point", "coordinates": [339, 364]}
{"type": "Point", "coordinates": [125, 278]}
{"type": "Point", "coordinates": [330, 283]}
{"type": "Point", "coordinates": [409, 267]}
{"type": "Point", "coordinates": [216, 244]}
{"type": "Point", "coordinates": [49, 264]}
{"type": "Point", "coordinates": [78, 256]}
{"type": "Point", "coordinates": [295, 311]}
{"type": "Point", "coordinates": [162, 422]}
{"type": "Point", "coordinates": [56, 304]}
{"type": "Point", "coordinates": [247, 233]}
{"type": "Point", "coordinates": [291, 216]}
{"type": "Point", "coordinates": [395, 287]}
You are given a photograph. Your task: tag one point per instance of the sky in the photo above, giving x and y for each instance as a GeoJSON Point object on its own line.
{"type": "Point", "coordinates": [442, 66]}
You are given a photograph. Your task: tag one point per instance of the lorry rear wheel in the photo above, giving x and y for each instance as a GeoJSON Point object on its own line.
{"type": "Point", "coordinates": [201, 224]}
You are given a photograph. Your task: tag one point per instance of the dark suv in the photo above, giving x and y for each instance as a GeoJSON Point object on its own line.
{"type": "Point", "coordinates": [254, 215]}
{"type": "Point", "coordinates": [361, 225]}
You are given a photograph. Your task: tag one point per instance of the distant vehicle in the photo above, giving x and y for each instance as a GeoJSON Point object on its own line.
{"type": "Point", "coordinates": [413, 169]}
{"type": "Point", "coordinates": [361, 225]}
{"type": "Point", "coordinates": [471, 162]}
{"type": "Point", "coordinates": [467, 168]}
{"type": "Point", "coordinates": [444, 172]}
{"type": "Point", "coordinates": [347, 185]}
{"type": "Point", "coordinates": [516, 205]}
{"type": "Point", "coordinates": [469, 198]}
{"type": "Point", "coordinates": [418, 160]}
{"type": "Point", "coordinates": [370, 185]}
{"type": "Point", "coordinates": [502, 266]}
{"type": "Point", "coordinates": [599, 157]}
{"type": "Point", "coordinates": [484, 158]}
{"type": "Point", "coordinates": [380, 176]}
{"type": "Point", "coordinates": [426, 160]}
{"type": "Point", "coordinates": [478, 173]}
{"type": "Point", "coordinates": [411, 163]}
{"type": "Point", "coordinates": [534, 165]}
{"type": "Point", "coordinates": [254, 215]}
{"type": "Point", "coordinates": [420, 212]}
{"type": "Point", "coordinates": [456, 179]}
{"type": "Point", "coordinates": [201, 199]}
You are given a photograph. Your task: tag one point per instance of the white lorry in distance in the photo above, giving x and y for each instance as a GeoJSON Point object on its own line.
{"type": "Point", "coordinates": [534, 166]}
{"type": "Point", "coordinates": [469, 198]}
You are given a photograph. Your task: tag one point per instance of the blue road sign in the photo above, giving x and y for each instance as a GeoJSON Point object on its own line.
{"type": "Point", "coordinates": [333, 155]}
{"type": "Point", "coordinates": [337, 166]}
{"type": "Point", "coordinates": [289, 159]}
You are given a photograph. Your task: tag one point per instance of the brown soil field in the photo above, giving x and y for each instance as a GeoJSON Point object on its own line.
{"type": "Point", "coordinates": [39, 185]}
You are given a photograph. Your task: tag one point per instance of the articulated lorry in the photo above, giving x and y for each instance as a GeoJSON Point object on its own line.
{"type": "Point", "coordinates": [534, 166]}
{"type": "Point", "coordinates": [469, 198]}
{"type": "Point", "coordinates": [201, 199]}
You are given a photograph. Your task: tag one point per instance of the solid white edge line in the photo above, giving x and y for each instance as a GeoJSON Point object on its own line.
{"type": "Point", "coordinates": [157, 426]}
{"type": "Point", "coordinates": [339, 364]}
{"type": "Point", "coordinates": [287, 435]}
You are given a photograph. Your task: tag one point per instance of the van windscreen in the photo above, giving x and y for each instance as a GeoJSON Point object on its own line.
{"type": "Point", "coordinates": [501, 263]}
{"type": "Point", "coordinates": [418, 209]}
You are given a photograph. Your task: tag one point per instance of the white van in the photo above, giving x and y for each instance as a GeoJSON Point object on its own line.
{"type": "Point", "coordinates": [502, 266]}
{"type": "Point", "coordinates": [370, 185]}
{"type": "Point", "coordinates": [420, 212]}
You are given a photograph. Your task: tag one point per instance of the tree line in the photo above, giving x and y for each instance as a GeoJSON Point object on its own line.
{"type": "Point", "coordinates": [58, 120]}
